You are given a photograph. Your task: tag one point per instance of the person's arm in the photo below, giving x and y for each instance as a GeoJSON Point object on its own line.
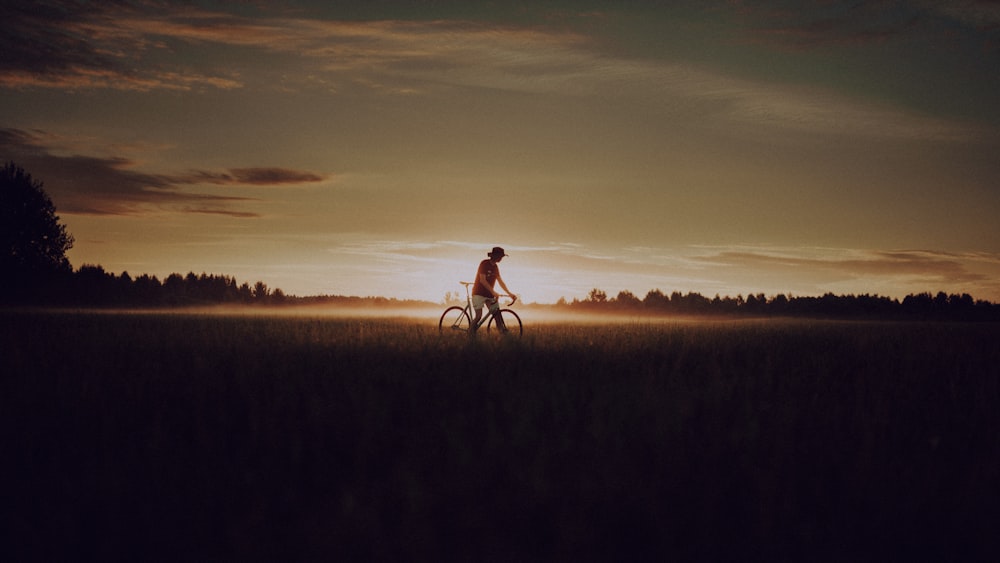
{"type": "Point", "coordinates": [504, 286]}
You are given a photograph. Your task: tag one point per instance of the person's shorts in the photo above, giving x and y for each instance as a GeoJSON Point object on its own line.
{"type": "Point", "coordinates": [479, 300]}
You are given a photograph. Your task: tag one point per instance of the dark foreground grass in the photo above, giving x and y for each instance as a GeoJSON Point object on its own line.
{"type": "Point", "coordinates": [176, 437]}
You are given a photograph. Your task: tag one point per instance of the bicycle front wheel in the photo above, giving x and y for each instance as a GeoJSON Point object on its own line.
{"type": "Point", "coordinates": [511, 324]}
{"type": "Point", "coordinates": [454, 320]}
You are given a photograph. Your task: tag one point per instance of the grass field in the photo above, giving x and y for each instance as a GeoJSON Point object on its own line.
{"type": "Point", "coordinates": [194, 437]}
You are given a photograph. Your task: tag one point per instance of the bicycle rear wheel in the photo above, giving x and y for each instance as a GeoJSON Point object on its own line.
{"type": "Point", "coordinates": [511, 324]}
{"type": "Point", "coordinates": [454, 320]}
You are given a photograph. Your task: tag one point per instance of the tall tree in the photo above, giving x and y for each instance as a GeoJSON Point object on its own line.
{"type": "Point", "coordinates": [33, 243]}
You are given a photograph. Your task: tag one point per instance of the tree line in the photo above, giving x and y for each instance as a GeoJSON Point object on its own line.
{"type": "Point", "coordinates": [92, 286]}
{"type": "Point", "coordinates": [913, 306]}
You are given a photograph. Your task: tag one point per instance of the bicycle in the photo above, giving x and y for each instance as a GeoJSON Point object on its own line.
{"type": "Point", "coordinates": [458, 320]}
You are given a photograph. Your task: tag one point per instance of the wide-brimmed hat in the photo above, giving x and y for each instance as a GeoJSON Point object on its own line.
{"type": "Point", "coordinates": [497, 252]}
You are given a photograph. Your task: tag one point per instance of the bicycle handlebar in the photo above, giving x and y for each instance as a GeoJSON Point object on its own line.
{"type": "Point", "coordinates": [513, 298]}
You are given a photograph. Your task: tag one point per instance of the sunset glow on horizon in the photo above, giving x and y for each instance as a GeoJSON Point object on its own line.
{"type": "Point", "coordinates": [382, 149]}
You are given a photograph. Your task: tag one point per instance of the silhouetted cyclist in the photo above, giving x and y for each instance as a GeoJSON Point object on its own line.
{"type": "Point", "coordinates": [487, 276]}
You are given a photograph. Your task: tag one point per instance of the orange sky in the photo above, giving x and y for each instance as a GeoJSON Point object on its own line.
{"type": "Point", "coordinates": [708, 146]}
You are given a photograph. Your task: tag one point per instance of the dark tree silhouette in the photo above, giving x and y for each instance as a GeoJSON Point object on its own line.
{"type": "Point", "coordinates": [922, 306]}
{"type": "Point", "coordinates": [655, 299]}
{"type": "Point", "coordinates": [33, 243]}
{"type": "Point", "coordinates": [597, 296]}
{"type": "Point", "coordinates": [627, 300]}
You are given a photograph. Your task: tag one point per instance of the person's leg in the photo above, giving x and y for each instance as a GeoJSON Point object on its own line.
{"type": "Point", "coordinates": [495, 311]}
{"type": "Point", "coordinates": [477, 305]}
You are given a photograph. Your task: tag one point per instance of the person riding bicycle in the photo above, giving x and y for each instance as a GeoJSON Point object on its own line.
{"type": "Point", "coordinates": [486, 277]}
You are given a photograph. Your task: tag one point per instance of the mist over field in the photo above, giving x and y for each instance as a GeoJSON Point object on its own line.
{"type": "Point", "coordinates": [305, 435]}
{"type": "Point", "coordinates": [541, 315]}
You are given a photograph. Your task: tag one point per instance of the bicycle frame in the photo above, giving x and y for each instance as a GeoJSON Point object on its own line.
{"type": "Point", "coordinates": [492, 305]}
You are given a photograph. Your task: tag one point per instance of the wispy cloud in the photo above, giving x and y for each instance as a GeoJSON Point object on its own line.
{"type": "Point", "coordinates": [982, 14]}
{"type": "Point", "coordinates": [255, 177]}
{"type": "Point", "coordinates": [237, 214]}
{"type": "Point", "coordinates": [111, 185]}
{"type": "Point", "coordinates": [72, 45]}
{"type": "Point", "coordinates": [857, 24]}
{"type": "Point", "coordinates": [835, 24]}
{"type": "Point", "coordinates": [69, 47]}
{"type": "Point", "coordinates": [915, 268]}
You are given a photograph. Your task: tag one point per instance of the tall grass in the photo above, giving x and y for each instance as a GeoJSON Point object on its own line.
{"type": "Point", "coordinates": [167, 437]}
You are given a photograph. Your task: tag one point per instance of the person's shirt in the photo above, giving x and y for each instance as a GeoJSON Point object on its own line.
{"type": "Point", "coordinates": [491, 270]}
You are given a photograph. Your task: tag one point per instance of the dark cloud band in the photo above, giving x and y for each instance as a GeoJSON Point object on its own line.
{"type": "Point", "coordinates": [111, 186]}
